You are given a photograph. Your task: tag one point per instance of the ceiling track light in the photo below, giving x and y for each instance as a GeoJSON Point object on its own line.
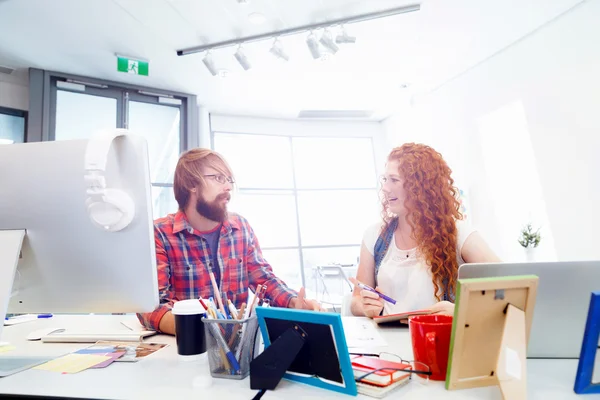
{"type": "Point", "coordinates": [302, 28]}
{"type": "Point", "coordinates": [209, 63]}
{"type": "Point", "coordinates": [241, 58]}
{"type": "Point", "coordinates": [327, 42]}
{"type": "Point", "coordinates": [313, 46]}
{"type": "Point", "coordinates": [344, 38]}
{"type": "Point", "coordinates": [278, 51]}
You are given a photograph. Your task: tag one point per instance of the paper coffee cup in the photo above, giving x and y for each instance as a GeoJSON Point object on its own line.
{"type": "Point", "coordinates": [189, 328]}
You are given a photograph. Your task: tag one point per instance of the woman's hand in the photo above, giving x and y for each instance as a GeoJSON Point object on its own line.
{"type": "Point", "coordinates": [443, 308]}
{"type": "Point", "coordinates": [371, 303]}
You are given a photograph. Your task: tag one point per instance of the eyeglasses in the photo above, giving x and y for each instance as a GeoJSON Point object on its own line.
{"type": "Point", "coordinates": [421, 370]}
{"type": "Point", "coordinates": [222, 179]}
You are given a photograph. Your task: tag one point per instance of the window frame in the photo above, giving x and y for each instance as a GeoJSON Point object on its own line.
{"type": "Point", "coordinates": [42, 103]}
{"type": "Point", "coordinates": [13, 112]}
{"type": "Point", "coordinates": [295, 190]}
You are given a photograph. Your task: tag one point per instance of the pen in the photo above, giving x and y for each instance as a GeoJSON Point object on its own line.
{"type": "Point", "coordinates": [223, 345]}
{"type": "Point", "coordinates": [203, 303]}
{"type": "Point", "coordinates": [370, 289]}
{"type": "Point", "coordinates": [44, 316]}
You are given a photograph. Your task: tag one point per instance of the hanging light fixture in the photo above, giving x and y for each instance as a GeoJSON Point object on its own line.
{"type": "Point", "coordinates": [313, 46]}
{"type": "Point", "coordinates": [327, 42]}
{"type": "Point", "coordinates": [278, 51]}
{"type": "Point", "coordinates": [241, 58]}
{"type": "Point", "coordinates": [209, 63]}
{"type": "Point", "coordinates": [344, 38]}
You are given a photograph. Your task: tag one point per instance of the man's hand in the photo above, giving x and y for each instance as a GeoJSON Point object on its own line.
{"type": "Point", "coordinates": [302, 303]}
{"type": "Point", "coordinates": [443, 308]}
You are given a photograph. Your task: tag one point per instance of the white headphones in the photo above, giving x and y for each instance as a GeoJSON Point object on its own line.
{"type": "Point", "coordinates": [111, 209]}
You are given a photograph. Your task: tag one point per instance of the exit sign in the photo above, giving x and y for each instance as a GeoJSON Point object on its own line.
{"type": "Point", "coordinates": [131, 66]}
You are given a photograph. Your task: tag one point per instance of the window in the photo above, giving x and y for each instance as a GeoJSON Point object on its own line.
{"type": "Point", "coordinates": [308, 199]}
{"type": "Point", "coordinates": [12, 126]}
{"type": "Point", "coordinates": [79, 106]}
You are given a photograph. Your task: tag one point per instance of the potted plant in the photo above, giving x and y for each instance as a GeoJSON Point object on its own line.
{"type": "Point", "coordinates": [529, 239]}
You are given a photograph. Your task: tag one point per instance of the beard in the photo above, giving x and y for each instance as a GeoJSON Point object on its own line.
{"type": "Point", "coordinates": [214, 210]}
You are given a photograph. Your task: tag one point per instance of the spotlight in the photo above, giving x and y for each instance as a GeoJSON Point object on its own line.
{"type": "Point", "coordinates": [242, 59]}
{"type": "Point", "coordinates": [344, 38]}
{"type": "Point", "coordinates": [313, 46]}
{"type": "Point", "coordinates": [210, 64]}
{"type": "Point", "coordinates": [328, 43]}
{"type": "Point", "coordinates": [277, 51]}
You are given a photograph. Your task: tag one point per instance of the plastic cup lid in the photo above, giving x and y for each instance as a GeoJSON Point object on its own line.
{"type": "Point", "coordinates": [188, 307]}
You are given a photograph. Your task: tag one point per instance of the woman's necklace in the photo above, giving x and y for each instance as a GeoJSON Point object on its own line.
{"type": "Point", "coordinates": [404, 241]}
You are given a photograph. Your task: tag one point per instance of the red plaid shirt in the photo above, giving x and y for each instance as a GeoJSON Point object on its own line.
{"type": "Point", "coordinates": [183, 261]}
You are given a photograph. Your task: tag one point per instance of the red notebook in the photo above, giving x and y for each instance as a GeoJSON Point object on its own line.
{"type": "Point", "coordinates": [362, 365]}
{"type": "Point", "coordinates": [399, 317]}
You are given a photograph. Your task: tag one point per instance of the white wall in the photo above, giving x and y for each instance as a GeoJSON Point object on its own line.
{"type": "Point", "coordinates": [553, 76]}
{"type": "Point", "coordinates": [14, 91]}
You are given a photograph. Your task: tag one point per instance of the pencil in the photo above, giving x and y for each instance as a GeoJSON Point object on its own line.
{"type": "Point", "coordinates": [258, 290]}
{"type": "Point", "coordinates": [217, 292]}
{"type": "Point", "coordinates": [242, 311]}
{"type": "Point", "coordinates": [237, 326]}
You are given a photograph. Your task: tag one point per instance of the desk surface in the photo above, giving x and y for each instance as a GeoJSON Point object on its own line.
{"type": "Point", "coordinates": [164, 375]}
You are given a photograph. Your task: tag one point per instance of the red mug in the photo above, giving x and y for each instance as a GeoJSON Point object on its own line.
{"type": "Point", "coordinates": [430, 335]}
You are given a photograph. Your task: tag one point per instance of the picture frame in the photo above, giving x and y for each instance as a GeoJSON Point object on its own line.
{"type": "Point", "coordinates": [492, 322]}
{"type": "Point", "coordinates": [589, 350]}
{"type": "Point", "coordinates": [325, 347]}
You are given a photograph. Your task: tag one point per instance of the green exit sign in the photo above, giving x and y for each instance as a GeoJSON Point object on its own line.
{"type": "Point", "coordinates": [131, 66]}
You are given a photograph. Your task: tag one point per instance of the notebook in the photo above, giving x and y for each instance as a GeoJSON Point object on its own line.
{"type": "Point", "coordinates": [379, 392]}
{"type": "Point", "coordinates": [399, 317]}
{"type": "Point", "coordinates": [362, 365]}
{"type": "Point", "coordinates": [92, 336]}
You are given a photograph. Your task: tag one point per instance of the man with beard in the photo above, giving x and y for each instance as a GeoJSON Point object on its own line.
{"type": "Point", "coordinates": [202, 237]}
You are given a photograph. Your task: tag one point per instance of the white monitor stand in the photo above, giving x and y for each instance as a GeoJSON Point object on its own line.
{"type": "Point", "coordinates": [10, 249]}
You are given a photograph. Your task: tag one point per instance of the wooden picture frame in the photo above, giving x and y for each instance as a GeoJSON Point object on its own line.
{"type": "Point", "coordinates": [589, 350]}
{"type": "Point", "coordinates": [492, 321]}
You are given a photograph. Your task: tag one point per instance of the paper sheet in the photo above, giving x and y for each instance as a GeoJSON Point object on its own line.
{"type": "Point", "coordinates": [112, 356]}
{"type": "Point", "coordinates": [5, 348]}
{"type": "Point", "coordinates": [133, 351]}
{"type": "Point", "coordinates": [72, 363]}
{"type": "Point", "coordinates": [361, 332]}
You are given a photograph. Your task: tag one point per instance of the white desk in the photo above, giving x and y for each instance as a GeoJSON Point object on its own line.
{"type": "Point", "coordinates": [164, 375]}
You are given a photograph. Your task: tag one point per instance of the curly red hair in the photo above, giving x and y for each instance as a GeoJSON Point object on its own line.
{"type": "Point", "coordinates": [432, 207]}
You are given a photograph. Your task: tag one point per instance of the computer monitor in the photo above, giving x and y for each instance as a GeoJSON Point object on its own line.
{"type": "Point", "coordinates": [561, 306]}
{"type": "Point", "coordinates": [67, 262]}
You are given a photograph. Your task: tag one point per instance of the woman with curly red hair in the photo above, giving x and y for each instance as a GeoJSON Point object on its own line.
{"type": "Point", "coordinates": [414, 254]}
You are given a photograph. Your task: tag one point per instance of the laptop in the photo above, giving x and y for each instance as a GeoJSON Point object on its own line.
{"type": "Point", "coordinates": [11, 365]}
{"type": "Point", "coordinates": [561, 306]}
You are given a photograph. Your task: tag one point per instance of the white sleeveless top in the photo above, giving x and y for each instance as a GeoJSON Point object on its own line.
{"type": "Point", "coordinates": [403, 274]}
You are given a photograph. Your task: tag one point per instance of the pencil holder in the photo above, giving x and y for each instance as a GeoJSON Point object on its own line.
{"type": "Point", "coordinates": [230, 344]}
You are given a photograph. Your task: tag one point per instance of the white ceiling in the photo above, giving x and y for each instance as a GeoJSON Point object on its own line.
{"type": "Point", "coordinates": [423, 48]}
